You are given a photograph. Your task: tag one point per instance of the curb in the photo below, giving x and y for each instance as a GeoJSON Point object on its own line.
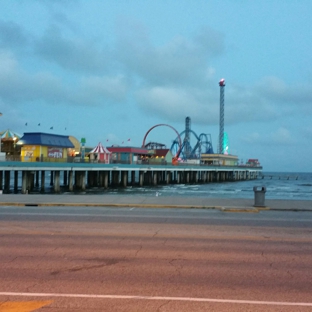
{"type": "Point", "coordinates": [108, 205]}
{"type": "Point", "coordinates": [240, 209]}
{"type": "Point", "coordinates": [251, 209]}
{"type": "Point", "coordinates": [120, 205]}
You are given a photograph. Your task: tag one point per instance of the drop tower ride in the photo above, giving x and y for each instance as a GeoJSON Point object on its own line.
{"type": "Point", "coordinates": [221, 124]}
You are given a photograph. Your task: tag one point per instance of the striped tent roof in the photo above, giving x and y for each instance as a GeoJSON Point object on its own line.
{"type": "Point", "coordinates": [9, 135]}
{"type": "Point", "coordinates": [100, 149]}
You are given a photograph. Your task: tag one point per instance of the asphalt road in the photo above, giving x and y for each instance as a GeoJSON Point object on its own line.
{"type": "Point", "coordinates": [135, 259]}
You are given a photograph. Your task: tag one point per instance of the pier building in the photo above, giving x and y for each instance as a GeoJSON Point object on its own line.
{"type": "Point", "coordinates": [76, 150]}
{"type": "Point", "coordinates": [219, 159]}
{"type": "Point", "coordinates": [38, 146]}
{"type": "Point", "coordinates": [128, 154]}
{"type": "Point", "coordinates": [161, 156]}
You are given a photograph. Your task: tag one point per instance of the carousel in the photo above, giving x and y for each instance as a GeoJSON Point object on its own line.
{"type": "Point", "coordinates": [8, 145]}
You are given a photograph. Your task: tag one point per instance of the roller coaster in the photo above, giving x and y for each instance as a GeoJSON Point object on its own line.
{"type": "Point", "coordinates": [186, 150]}
{"type": "Point", "coordinates": [202, 146]}
{"type": "Point", "coordinates": [182, 149]}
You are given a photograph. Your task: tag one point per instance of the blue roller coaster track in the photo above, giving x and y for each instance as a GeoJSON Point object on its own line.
{"type": "Point", "coordinates": [203, 145]}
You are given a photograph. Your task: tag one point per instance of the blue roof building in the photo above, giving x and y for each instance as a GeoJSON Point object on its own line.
{"type": "Point", "coordinates": [44, 146]}
{"type": "Point", "coordinates": [45, 139]}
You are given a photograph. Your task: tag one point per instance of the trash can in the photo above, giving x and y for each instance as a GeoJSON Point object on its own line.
{"type": "Point", "coordinates": [259, 196]}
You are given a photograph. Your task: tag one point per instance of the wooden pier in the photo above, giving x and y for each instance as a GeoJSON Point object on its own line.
{"type": "Point", "coordinates": [79, 176]}
{"type": "Point", "coordinates": [277, 176]}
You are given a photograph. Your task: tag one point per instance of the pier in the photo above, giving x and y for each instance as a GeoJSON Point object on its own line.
{"type": "Point", "coordinates": [277, 176]}
{"type": "Point", "coordinates": [79, 176]}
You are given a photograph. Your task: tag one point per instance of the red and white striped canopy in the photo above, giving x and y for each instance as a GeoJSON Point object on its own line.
{"type": "Point", "coordinates": [100, 149]}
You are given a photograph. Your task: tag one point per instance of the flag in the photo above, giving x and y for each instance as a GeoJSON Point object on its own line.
{"type": "Point", "coordinates": [107, 140]}
{"type": "Point", "coordinates": [38, 124]}
{"type": "Point", "coordinates": [51, 128]}
{"type": "Point", "coordinates": [128, 139]}
{"type": "Point", "coordinates": [26, 124]}
{"type": "Point", "coordinates": [122, 142]}
{"type": "Point", "coordinates": [0, 114]}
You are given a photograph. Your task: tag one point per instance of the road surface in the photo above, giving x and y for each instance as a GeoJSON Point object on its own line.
{"type": "Point", "coordinates": [135, 259]}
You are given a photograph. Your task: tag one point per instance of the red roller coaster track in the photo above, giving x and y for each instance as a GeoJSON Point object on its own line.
{"type": "Point", "coordinates": [175, 158]}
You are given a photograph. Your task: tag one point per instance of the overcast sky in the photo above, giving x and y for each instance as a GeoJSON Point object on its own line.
{"type": "Point", "coordinates": [110, 70]}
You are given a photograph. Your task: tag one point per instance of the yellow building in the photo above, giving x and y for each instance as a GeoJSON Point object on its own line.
{"type": "Point", "coordinates": [161, 156]}
{"type": "Point", "coordinates": [219, 159]}
{"type": "Point", "coordinates": [38, 146]}
{"type": "Point", "coordinates": [76, 149]}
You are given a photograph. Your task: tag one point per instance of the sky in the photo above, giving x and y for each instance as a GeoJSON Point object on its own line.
{"type": "Point", "coordinates": [109, 71]}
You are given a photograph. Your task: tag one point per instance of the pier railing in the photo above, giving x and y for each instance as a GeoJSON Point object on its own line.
{"type": "Point", "coordinates": [149, 162]}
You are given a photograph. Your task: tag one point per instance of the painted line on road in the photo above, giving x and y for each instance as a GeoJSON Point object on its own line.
{"type": "Point", "coordinates": [26, 306]}
{"type": "Point", "coordinates": [189, 299]}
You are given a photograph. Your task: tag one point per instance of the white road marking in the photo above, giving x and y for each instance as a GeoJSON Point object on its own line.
{"type": "Point", "coordinates": [190, 299]}
{"type": "Point", "coordinates": [131, 209]}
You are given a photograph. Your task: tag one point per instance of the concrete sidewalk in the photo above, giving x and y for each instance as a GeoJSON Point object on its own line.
{"type": "Point", "coordinates": [224, 204]}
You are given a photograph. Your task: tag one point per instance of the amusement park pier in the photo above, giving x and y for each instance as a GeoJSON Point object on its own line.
{"type": "Point", "coordinates": [36, 157]}
{"type": "Point", "coordinates": [29, 177]}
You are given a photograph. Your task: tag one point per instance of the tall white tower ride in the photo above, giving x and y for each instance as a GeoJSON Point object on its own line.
{"type": "Point", "coordinates": [221, 131]}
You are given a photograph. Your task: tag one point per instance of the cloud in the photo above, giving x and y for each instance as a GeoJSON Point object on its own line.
{"type": "Point", "coordinates": [307, 132]}
{"type": "Point", "coordinates": [180, 61]}
{"type": "Point", "coordinates": [12, 36]}
{"type": "Point", "coordinates": [275, 89]}
{"type": "Point", "coordinates": [8, 63]}
{"type": "Point", "coordinates": [210, 42]}
{"type": "Point", "coordinates": [244, 104]}
{"type": "Point", "coordinates": [111, 139]}
{"type": "Point", "coordinates": [52, 4]}
{"type": "Point", "coordinates": [203, 104]}
{"type": "Point", "coordinates": [252, 138]}
{"type": "Point", "coordinates": [267, 100]}
{"type": "Point", "coordinates": [95, 90]}
{"type": "Point", "coordinates": [175, 104]}
{"type": "Point", "coordinates": [73, 54]}
{"type": "Point", "coordinates": [272, 87]}
{"type": "Point", "coordinates": [177, 77]}
{"type": "Point", "coordinates": [171, 80]}
{"type": "Point", "coordinates": [281, 136]}
{"type": "Point", "coordinates": [19, 87]}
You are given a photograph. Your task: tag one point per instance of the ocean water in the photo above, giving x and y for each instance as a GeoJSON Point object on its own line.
{"type": "Point", "coordinates": [279, 185]}
{"type": "Point", "coordinates": [297, 186]}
